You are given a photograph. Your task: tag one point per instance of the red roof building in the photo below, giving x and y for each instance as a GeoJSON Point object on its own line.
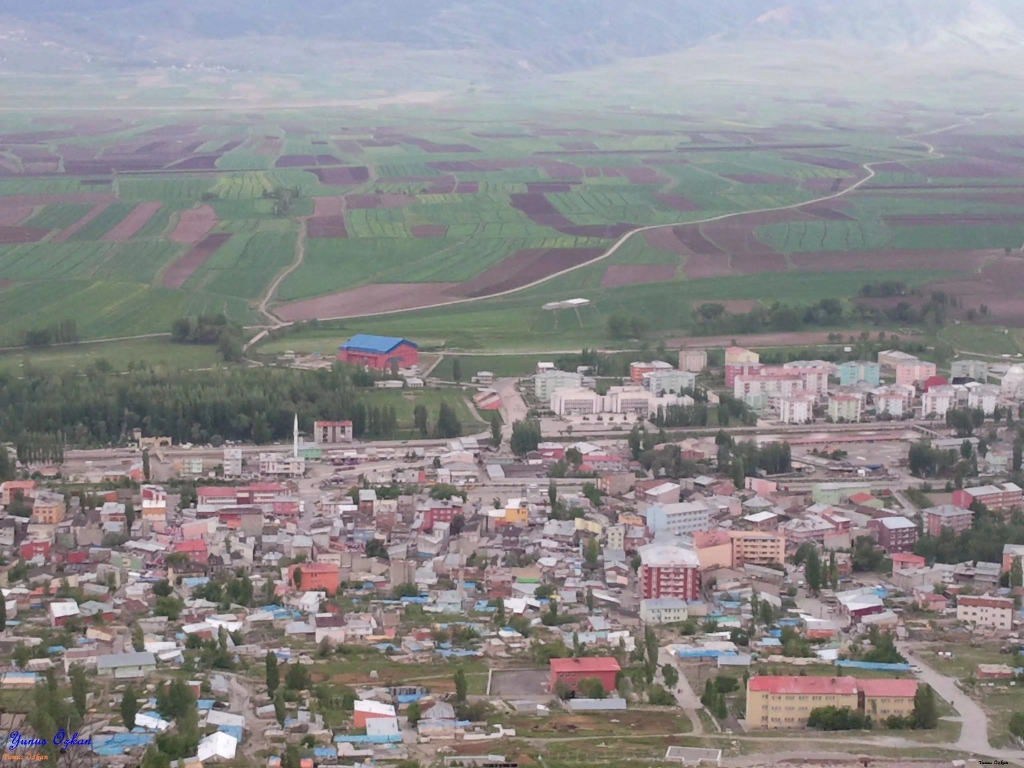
{"type": "Point", "coordinates": [886, 688]}
{"type": "Point", "coordinates": [194, 548]}
{"type": "Point", "coordinates": [316, 577]}
{"type": "Point", "coordinates": [803, 686]}
{"type": "Point", "coordinates": [904, 561]}
{"type": "Point", "coordinates": [571, 671]}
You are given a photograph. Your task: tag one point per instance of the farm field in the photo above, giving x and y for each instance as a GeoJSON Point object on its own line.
{"type": "Point", "coordinates": [121, 355]}
{"type": "Point", "coordinates": [404, 401]}
{"type": "Point", "coordinates": [456, 232]}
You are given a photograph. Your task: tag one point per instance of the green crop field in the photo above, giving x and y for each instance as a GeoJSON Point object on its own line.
{"type": "Point", "coordinates": [509, 196]}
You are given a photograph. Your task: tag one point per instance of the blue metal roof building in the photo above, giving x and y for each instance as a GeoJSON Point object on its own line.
{"type": "Point", "coordinates": [380, 345]}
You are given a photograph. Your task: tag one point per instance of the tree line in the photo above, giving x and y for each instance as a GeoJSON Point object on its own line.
{"type": "Point", "coordinates": [210, 330]}
{"type": "Point", "coordinates": [248, 404]}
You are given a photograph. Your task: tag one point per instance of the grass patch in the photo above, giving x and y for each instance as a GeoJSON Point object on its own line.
{"type": "Point", "coordinates": [980, 340]}
{"type": "Point", "coordinates": [149, 353]}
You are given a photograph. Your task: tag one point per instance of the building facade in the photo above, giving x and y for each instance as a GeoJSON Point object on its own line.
{"type": "Point", "coordinates": [757, 548]}
{"type": "Point", "coordinates": [779, 702]}
{"type": "Point", "coordinates": [844, 407]}
{"type": "Point", "coordinates": [663, 610]}
{"type": "Point", "coordinates": [668, 570]}
{"type": "Point", "coordinates": [378, 352]}
{"type": "Point", "coordinates": [894, 534]}
{"type": "Point", "coordinates": [969, 369]}
{"type": "Point", "coordinates": [995, 497]}
{"type": "Point", "coordinates": [546, 382]}
{"type": "Point", "coordinates": [332, 432]}
{"type": "Point", "coordinates": [946, 516]}
{"type": "Point", "coordinates": [670, 381]}
{"type": "Point", "coordinates": [796, 409]}
{"type": "Point", "coordinates": [569, 672]}
{"type": "Point", "coordinates": [912, 371]}
{"type": "Point", "coordinates": [856, 371]}
{"type": "Point", "coordinates": [693, 360]}
{"type": "Point", "coordinates": [678, 519]}
{"type": "Point", "coordinates": [985, 611]}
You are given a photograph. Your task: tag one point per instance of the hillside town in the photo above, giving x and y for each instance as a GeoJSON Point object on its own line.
{"type": "Point", "coordinates": [710, 548]}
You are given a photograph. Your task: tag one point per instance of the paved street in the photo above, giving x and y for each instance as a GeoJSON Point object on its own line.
{"type": "Point", "coordinates": [684, 694]}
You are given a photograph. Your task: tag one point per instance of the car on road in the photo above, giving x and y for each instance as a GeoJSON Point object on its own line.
{"type": "Point", "coordinates": [915, 669]}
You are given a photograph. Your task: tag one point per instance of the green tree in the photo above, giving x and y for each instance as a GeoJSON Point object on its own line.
{"type": "Point", "coordinates": [592, 551]}
{"type": "Point", "coordinates": [833, 571]}
{"type": "Point", "coordinates": [1018, 453]}
{"type": "Point", "coordinates": [273, 673]}
{"type": "Point", "coordinates": [671, 675]}
{"type": "Point", "coordinates": [457, 370]}
{"type": "Point", "coordinates": [3, 611]}
{"type": "Point", "coordinates": [297, 677]}
{"type": "Point", "coordinates": [591, 688]}
{"type": "Point", "coordinates": [495, 430]}
{"type": "Point", "coordinates": [145, 465]}
{"type": "Point", "coordinates": [138, 638]}
{"type": "Point", "coordinates": [413, 713]}
{"type": "Point", "coordinates": [129, 706]}
{"type": "Point", "coordinates": [297, 578]}
{"type": "Point", "coordinates": [162, 588]}
{"type": "Point", "coordinates": [926, 711]}
{"type": "Point", "coordinates": [279, 708]}
{"type": "Point", "coordinates": [461, 686]}
{"type": "Point", "coordinates": [1016, 573]}
{"type": "Point", "coordinates": [526, 436]}
{"type": "Point", "coordinates": [552, 494]}
{"type": "Point", "coordinates": [154, 758]}
{"type": "Point", "coordinates": [1017, 725]}
{"type": "Point", "coordinates": [448, 424]}
{"type": "Point", "coordinates": [657, 696]}
{"type": "Point", "coordinates": [812, 571]}
{"type": "Point", "coordinates": [129, 515]}
{"type": "Point", "coordinates": [79, 689]}
{"type": "Point", "coordinates": [590, 599]}
{"type": "Point", "coordinates": [419, 419]}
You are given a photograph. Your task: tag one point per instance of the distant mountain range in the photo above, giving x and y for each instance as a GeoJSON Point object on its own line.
{"type": "Point", "coordinates": [510, 36]}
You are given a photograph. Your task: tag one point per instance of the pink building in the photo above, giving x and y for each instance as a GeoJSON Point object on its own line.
{"type": "Point", "coordinates": [912, 371]}
{"type": "Point", "coordinates": [995, 497]}
{"type": "Point", "coordinates": [947, 516]}
{"type": "Point", "coordinates": [732, 370]}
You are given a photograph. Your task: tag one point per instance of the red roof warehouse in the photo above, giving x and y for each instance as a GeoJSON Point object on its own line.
{"type": "Point", "coordinates": [378, 352]}
{"type": "Point", "coordinates": [571, 671]}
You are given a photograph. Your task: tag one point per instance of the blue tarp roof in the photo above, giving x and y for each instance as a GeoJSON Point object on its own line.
{"type": "Point", "coordinates": [876, 665]}
{"type": "Point", "coordinates": [364, 342]}
{"type": "Point", "coordinates": [231, 730]}
{"type": "Point", "coordinates": [409, 698]}
{"type": "Point", "coordinates": [390, 738]}
{"type": "Point", "coordinates": [56, 649]}
{"type": "Point", "coordinates": [204, 704]}
{"type": "Point", "coordinates": [771, 642]}
{"type": "Point", "coordinates": [325, 752]}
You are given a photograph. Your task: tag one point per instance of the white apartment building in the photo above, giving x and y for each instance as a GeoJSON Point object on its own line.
{"type": "Point", "coordinates": [678, 519]}
{"type": "Point", "coordinates": [798, 409]}
{"type": "Point", "coordinates": [663, 610]}
{"type": "Point", "coordinates": [844, 407]}
{"type": "Point", "coordinates": [984, 396]}
{"type": "Point", "coordinates": [814, 373]}
{"type": "Point", "coordinates": [546, 382]}
{"type": "Point", "coordinates": [938, 400]}
{"type": "Point", "coordinates": [694, 360]}
{"type": "Point", "coordinates": [780, 384]}
{"type": "Point", "coordinates": [232, 462]}
{"type": "Point", "coordinates": [670, 381]}
{"type": "Point", "coordinates": [985, 611]}
{"type": "Point", "coordinates": [282, 465]}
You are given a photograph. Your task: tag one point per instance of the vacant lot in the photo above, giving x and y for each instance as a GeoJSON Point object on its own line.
{"type": "Point", "coordinates": [511, 683]}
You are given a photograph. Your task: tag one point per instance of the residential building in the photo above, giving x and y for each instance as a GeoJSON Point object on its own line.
{"type": "Point", "coordinates": [913, 371]}
{"type": "Point", "coordinates": [969, 369]}
{"type": "Point", "coordinates": [796, 409]}
{"type": "Point", "coordinates": [733, 370]}
{"type": "Point", "coordinates": [779, 384]}
{"type": "Point", "coordinates": [638, 370]}
{"type": "Point", "coordinates": [836, 493]}
{"type": "Point", "coordinates": [757, 548]}
{"type": "Point", "coordinates": [995, 497]}
{"type": "Point", "coordinates": [570, 671]}
{"type": "Point", "coordinates": [856, 371]}
{"type": "Point", "coordinates": [154, 507]}
{"type": "Point", "coordinates": [983, 396]}
{"type": "Point", "coordinates": [368, 709]}
{"type": "Point", "coordinates": [662, 493]}
{"type": "Point", "coordinates": [517, 512]}
{"type": "Point", "coordinates": [282, 465]}
{"type": "Point", "coordinates": [668, 570]}
{"type": "Point", "coordinates": [904, 561]}
{"type": "Point", "coordinates": [48, 508]}
{"type": "Point", "coordinates": [985, 611]}
{"type": "Point", "coordinates": [937, 400]}
{"type": "Point", "coordinates": [635, 400]}
{"type": "Point", "coordinates": [1012, 385]}
{"type": "Point", "coordinates": [693, 360]}
{"type": "Point", "coordinates": [232, 462]}
{"type": "Point", "coordinates": [616, 483]}
{"type": "Point", "coordinates": [892, 357]}
{"type": "Point", "coordinates": [713, 549]}
{"type": "Point", "coordinates": [378, 352]}
{"type": "Point", "coordinates": [669, 381]}
{"type": "Point", "coordinates": [194, 549]}
{"type": "Point", "coordinates": [844, 407]}
{"type": "Point", "coordinates": [807, 528]}
{"type": "Point", "coordinates": [663, 610]}
{"type": "Point", "coordinates": [736, 355]}
{"type": "Point", "coordinates": [126, 665]}
{"type": "Point", "coordinates": [894, 400]}
{"type": "Point", "coordinates": [315, 577]}
{"type": "Point", "coordinates": [678, 519]}
{"type": "Point", "coordinates": [1011, 552]}
{"type": "Point", "coordinates": [545, 383]}
{"type": "Point", "coordinates": [332, 432]}
{"type": "Point", "coordinates": [946, 516]}
{"type": "Point", "coordinates": [13, 489]}
{"type": "Point", "coordinates": [813, 374]}
{"type": "Point", "coordinates": [894, 534]}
